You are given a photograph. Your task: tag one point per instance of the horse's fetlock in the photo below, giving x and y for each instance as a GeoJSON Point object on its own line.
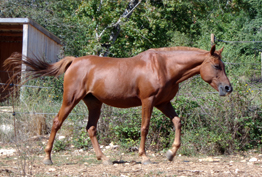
{"type": "Point", "coordinates": [141, 152]}
{"type": "Point", "coordinates": [176, 145]}
{"type": "Point", "coordinates": [47, 149]}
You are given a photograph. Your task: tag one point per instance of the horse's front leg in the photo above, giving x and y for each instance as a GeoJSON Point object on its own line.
{"type": "Point", "coordinates": [169, 111]}
{"type": "Point", "coordinates": [147, 107]}
{"type": "Point", "coordinates": [176, 144]}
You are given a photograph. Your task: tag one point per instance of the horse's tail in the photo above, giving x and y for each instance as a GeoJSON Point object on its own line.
{"type": "Point", "coordinates": [35, 67]}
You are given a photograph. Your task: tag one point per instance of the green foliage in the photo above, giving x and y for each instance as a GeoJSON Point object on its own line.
{"type": "Point", "coordinates": [125, 128]}
{"type": "Point", "coordinates": [161, 133]}
{"type": "Point", "coordinates": [223, 125]}
{"type": "Point", "coordinates": [81, 140]}
{"type": "Point", "coordinates": [60, 145]}
{"type": "Point", "coordinates": [84, 26]}
{"type": "Point", "coordinates": [48, 86]}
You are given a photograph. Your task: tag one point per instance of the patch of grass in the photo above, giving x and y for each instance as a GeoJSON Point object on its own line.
{"type": "Point", "coordinates": [91, 161]}
{"type": "Point", "coordinates": [2, 164]}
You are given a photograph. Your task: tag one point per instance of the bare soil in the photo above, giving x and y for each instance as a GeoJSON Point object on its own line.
{"type": "Point", "coordinates": [75, 162]}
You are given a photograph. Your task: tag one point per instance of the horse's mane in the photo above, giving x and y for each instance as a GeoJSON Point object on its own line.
{"type": "Point", "coordinates": [178, 48]}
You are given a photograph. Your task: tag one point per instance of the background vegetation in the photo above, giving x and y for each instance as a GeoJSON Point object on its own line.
{"type": "Point", "coordinates": [211, 125]}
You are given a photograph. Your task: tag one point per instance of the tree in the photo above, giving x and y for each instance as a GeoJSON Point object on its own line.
{"type": "Point", "coordinates": [86, 26]}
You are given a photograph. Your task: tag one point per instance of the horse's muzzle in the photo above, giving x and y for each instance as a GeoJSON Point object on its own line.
{"type": "Point", "coordinates": [225, 89]}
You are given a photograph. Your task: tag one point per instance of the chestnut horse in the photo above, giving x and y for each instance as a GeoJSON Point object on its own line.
{"type": "Point", "coordinates": [149, 79]}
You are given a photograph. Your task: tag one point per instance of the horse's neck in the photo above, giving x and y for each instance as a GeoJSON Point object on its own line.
{"type": "Point", "coordinates": [187, 65]}
{"type": "Point", "coordinates": [189, 73]}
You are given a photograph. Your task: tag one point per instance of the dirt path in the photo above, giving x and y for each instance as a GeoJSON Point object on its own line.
{"type": "Point", "coordinates": [84, 163]}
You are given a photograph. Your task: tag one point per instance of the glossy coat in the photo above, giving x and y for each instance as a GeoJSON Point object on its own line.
{"type": "Point", "coordinates": [150, 79]}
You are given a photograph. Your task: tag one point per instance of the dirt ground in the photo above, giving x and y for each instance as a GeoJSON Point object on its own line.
{"type": "Point", "coordinates": [73, 162]}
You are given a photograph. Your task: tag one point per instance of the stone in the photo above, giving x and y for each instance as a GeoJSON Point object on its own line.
{"type": "Point", "coordinates": [51, 169]}
{"type": "Point", "coordinates": [209, 159]}
{"type": "Point", "coordinates": [61, 137]}
{"type": "Point", "coordinates": [253, 159]}
{"type": "Point", "coordinates": [7, 151]}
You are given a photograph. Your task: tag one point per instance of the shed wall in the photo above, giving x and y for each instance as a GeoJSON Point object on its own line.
{"type": "Point", "coordinates": [41, 46]}
{"type": "Point", "coordinates": [25, 36]}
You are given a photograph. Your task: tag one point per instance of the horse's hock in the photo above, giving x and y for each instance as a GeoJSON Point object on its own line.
{"type": "Point", "coordinates": [25, 36]}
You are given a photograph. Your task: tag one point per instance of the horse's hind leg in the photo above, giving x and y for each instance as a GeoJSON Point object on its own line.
{"type": "Point", "coordinates": [69, 102]}
{"type": "Point", "coordinates": [94, 110]}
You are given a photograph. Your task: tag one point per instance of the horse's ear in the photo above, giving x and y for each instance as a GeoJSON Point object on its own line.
{"type": "Point", "coordinates": [221, 50]}
{"type": "Point", "coordinates": [213, 49]}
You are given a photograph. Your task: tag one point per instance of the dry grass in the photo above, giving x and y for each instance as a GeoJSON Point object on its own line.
{"type": "Point", "coordinates": [75, 162]}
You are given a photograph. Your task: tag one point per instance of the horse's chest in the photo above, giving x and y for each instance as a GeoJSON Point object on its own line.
{"type": "Point", "coordinates": [167, 93]}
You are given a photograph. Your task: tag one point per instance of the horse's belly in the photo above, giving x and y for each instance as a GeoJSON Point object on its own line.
{"type": "Point", "coordinates": [121, 102]}
{"type": "Point", "coordinates": [116, 94]}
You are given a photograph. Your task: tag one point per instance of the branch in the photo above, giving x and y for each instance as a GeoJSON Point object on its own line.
{"type": "Point", "coordinates": [99, 8]}
{"type": "Point", "coordinates": [116, 26]}
{"type": "Point", "coordinates": [100, 5]}
{"type": "Point", "coordinates": [119, 20]}
{"type": "Point", "coordinates": [128, 14]}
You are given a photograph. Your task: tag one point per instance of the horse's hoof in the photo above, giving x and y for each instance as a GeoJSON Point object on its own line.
{"type": "Point", "coordinates": [48, 162]}
{"type": "Point", "coordinates": [107, 162]}
{"type": "Point", "coordinates": [169, 155]}
{"type": "Point", "coordinates": [146, 162]}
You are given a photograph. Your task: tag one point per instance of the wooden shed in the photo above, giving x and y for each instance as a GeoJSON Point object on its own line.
{"type": "Point", "coordinates": [25, 36]}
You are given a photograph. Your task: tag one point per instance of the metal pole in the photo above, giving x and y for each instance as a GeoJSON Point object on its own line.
{"type": "Point", "coordinates": [13, 107]}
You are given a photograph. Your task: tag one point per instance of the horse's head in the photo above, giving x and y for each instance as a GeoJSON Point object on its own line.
{"type": "Point", "coordinates": [213, 72]}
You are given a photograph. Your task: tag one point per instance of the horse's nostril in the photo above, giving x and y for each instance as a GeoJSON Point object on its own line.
{"type": "Point", "coordinates": [228, 88]}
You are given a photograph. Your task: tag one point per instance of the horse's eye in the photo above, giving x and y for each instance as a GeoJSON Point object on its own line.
{"type": "Point", "coordinates": [217, 67]}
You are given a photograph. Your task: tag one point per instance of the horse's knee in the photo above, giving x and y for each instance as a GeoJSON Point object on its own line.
{"type": "Point", "coordinates": [177, 122]}
{"type": "Point", "coordinates": [144, 130]}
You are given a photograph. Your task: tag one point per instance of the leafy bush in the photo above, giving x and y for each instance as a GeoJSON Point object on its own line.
{"type": "Point", "coordinates": [60, 145]}
{"type": "Point", "coordinates": [81, 140]}
{"type": "Point", "coordinates": [223, 125]}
